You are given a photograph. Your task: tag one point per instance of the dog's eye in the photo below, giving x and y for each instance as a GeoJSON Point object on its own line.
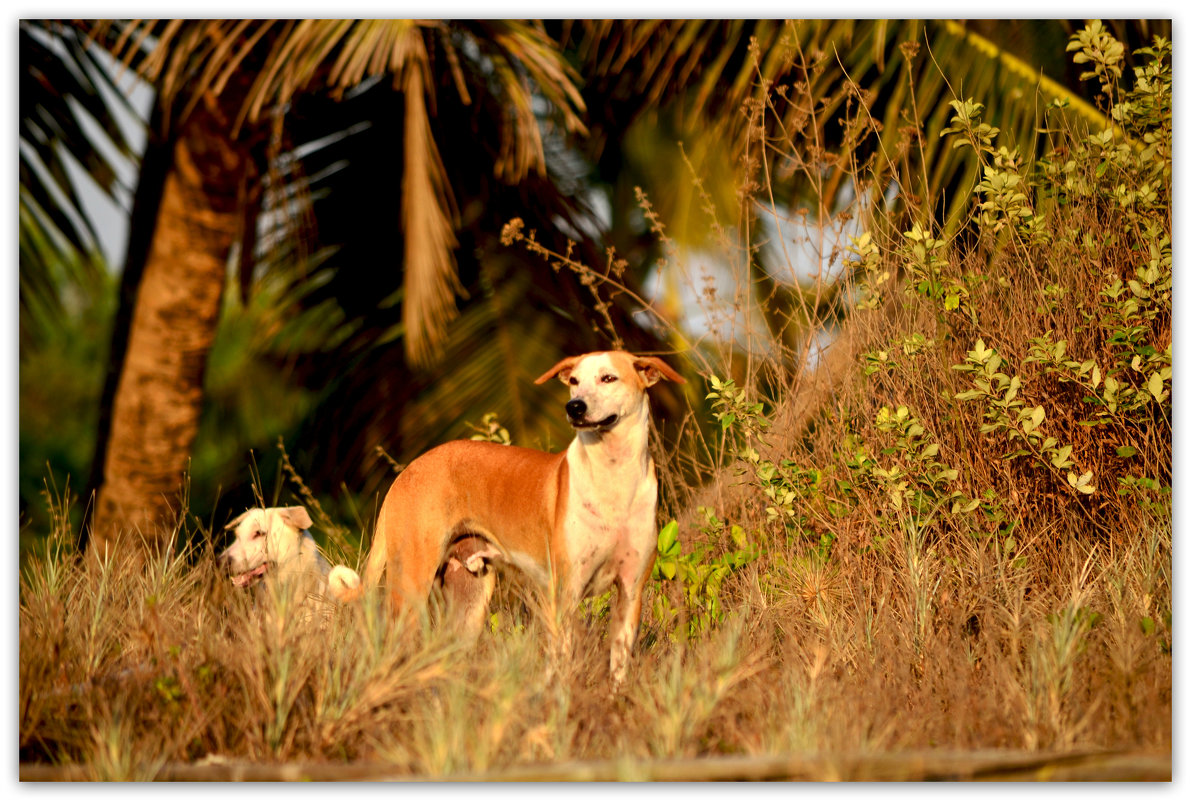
{"type": "Point", "coordinates": [258, 535]}
{"type": "Point", "coordinates": [574, 382]}
{"type": "Point", "coordinates": [608, 379]}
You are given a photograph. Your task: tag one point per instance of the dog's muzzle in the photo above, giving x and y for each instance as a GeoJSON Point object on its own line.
{"type": "Point", "coordinates": [577, 416]}
{"type": "Point", "coordinates": [248, 577]}
{"type": "Point", "coordinates": [251, 577]}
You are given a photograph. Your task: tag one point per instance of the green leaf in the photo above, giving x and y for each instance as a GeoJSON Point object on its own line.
{"type": "Point", "coordinates": [668, 544]}
{"type": "Point", "coordinates": [1082, 483]}
{"type": "Point", "coordinates": [738, 537]}
{"type": "Point", "coordinates": [1060, 458]}
{"type": "Point", "coordinates": [964, 508]}
{"type": "Point", "coordinates": [1154, 385]}
{"type": "Point", "coordinates": [1014, 386]}
{"type": "Point", "coordinates": [1125, 451]}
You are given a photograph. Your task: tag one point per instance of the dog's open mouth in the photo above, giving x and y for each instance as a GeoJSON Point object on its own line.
{"type": "Point", "coordinates": [607, 422]}
{"type": "Point", "coordinates": [251, 577]}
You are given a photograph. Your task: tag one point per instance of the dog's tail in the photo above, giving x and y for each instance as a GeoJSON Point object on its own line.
{"type": "Point", "coordinates": [345, 584]}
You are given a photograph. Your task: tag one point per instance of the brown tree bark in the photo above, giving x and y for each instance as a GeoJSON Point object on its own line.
{"type": "Point", "coordinates": [158, 397]}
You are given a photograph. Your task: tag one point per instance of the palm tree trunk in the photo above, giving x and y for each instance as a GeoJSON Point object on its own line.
{"type": "Point", "coordinates": [158, 395]}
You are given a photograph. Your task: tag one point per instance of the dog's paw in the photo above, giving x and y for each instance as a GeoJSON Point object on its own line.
{"type": "Point", "coordinates": [342, 581]}
{"type": "Point", "coordinates": [478, 562]}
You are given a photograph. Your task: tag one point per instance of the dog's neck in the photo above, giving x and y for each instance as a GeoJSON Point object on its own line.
{"type": "Point", "coordinates": [301, 557]}
{"type": "Point", "coordinates": [306, 543]}
{"type": "Point", "coordinates": [306, 563]}
{"type": "Point", "coordinates": [623, 448]}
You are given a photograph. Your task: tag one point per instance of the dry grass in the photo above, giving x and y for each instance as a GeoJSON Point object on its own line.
{"type": "Point", "coordinates": [917, 591]}
{"type": "Point", "coordinates": [126, 668]}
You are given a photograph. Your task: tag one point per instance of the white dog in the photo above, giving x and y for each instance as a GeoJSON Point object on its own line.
{"type": "Point", "coordinates": [276, 543]}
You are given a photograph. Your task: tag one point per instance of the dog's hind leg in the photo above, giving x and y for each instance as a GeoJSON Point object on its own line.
{"type": "Point", "coordinates": [467, 595]}
{"type": "Point", "coordinates": [412, 569]}
{"type": "Point", "coordinates": [468, 580]}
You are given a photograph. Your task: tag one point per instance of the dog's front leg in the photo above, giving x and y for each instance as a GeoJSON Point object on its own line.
{"type": "Point", "coordinates": [561, 633]}
{"type": "Point", "coordinates": [626, 617]}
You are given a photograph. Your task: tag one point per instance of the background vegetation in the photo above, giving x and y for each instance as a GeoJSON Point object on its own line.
{"type": "Point", "coordinates": [312, 331]}
{"type": "Point", "coordinates": [924, 504]}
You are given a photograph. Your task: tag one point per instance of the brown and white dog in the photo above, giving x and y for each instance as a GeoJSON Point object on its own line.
{"type": "Point", "coordinates": [276, 543]}
{"type": "Point", "coordinates": [576, 523]}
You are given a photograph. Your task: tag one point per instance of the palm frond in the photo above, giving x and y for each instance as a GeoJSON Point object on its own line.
{"type": "Point", "coordinates": [66, 110]}
{"type": "Point", "coordinates": [513, 63]}
{"type": "Point", "coordinates": [809, 73]}
{"type": "Point", "coordinates": [60, 84]}
{"type": "Point", "coordinates": [341, 324]}
{"type": "Point", "coordinates": [526, 64]}
{"type": "Point", "coordinates": [429, 227]}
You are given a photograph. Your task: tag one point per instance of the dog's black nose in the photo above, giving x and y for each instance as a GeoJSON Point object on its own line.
{"type": "Point", "coordinates": [576, 409]}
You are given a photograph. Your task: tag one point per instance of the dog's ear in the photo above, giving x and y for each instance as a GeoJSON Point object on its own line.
{"type": "Point", "coordinates": [296, 516]}
{"type": "Point", "coordinates": [652, 369]}
{"type": "Point", "coordinates": [236, 522]}
{"type": "Point", "coordinates": [562, 370]}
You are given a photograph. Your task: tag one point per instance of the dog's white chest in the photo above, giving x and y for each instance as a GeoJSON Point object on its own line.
{"type": "Point", "coordinates": [609, 533]}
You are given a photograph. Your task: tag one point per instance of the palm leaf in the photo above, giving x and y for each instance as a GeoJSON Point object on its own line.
{"type": "Point", "coordinates": [344, 310]}
{"type": "Point", "coordinates": [428, 222]}
{"type": "Point", "coordinates": [642, 68]}
{"type": "Point", "coordinates": [61, 86]}
{"type": "Point", "coordinates": [289, 60]}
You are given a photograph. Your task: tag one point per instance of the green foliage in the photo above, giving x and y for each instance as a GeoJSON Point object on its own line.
{"type": "Point", "coordinates": [873, 273]}
{"type": "Point", "coordinates": [1080, 345]}
{"type": "Point", "coordinates": [1004, 188]}
{"type": "Point", "coordinates": [59, 383]}
{"type": "Point", "coordinates": [785, 485]}
{"type": "Point", "coordinates": [912, 347]}
{"type": "Point", "coordinates": [489, 429]}
{"type": "Point", "coordinates": [734, 412]}
{"type": "Point", "coordinates": [1096, 46]}
{"type": "Point", "coordinates": [977, 135]}
{"type": "Point", "coordinates": [1005, 412]}
{"type": "Point", "coordinates": [1126, 364]}
{"type": "Point", "coordinates": [701, 571]}
{"type": "Point", "coordinates": [1066, 264]}
{"type": "Point", "coordinates": [922, 258]}
{"type": "Point", "coordinates": [925, 484]}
